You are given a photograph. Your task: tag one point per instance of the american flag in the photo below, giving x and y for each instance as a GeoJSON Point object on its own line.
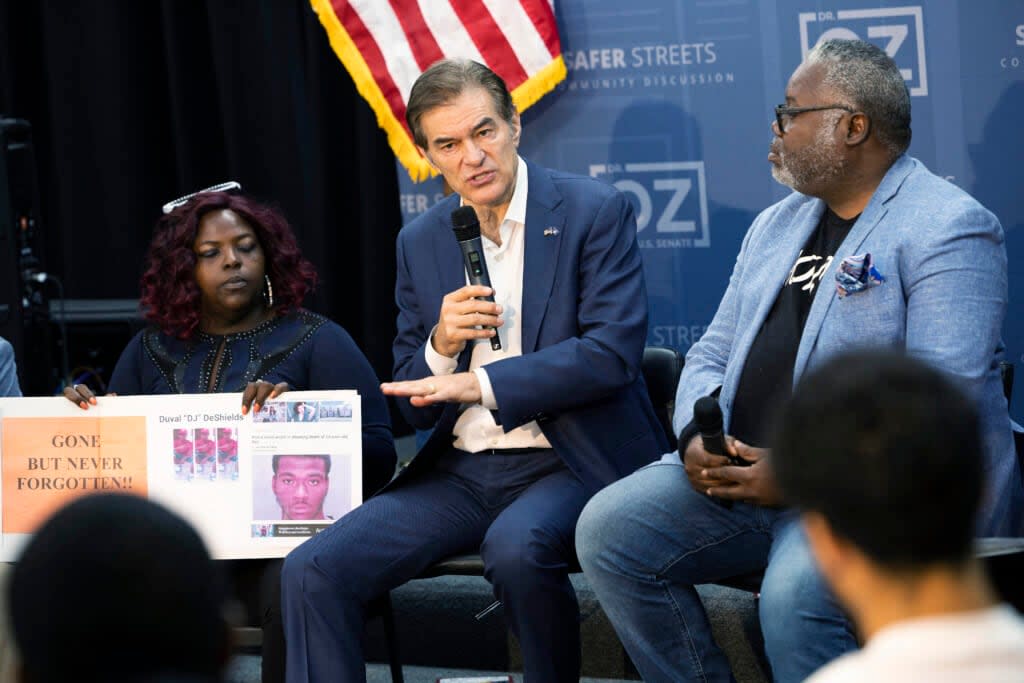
{"type": "Point", "coordinates": [387, 44]}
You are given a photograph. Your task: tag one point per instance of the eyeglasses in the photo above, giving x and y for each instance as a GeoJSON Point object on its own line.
{"type": "Point", "coordinates": [784, 114]}
{"type": "Point", "coordinates": [221, 187]}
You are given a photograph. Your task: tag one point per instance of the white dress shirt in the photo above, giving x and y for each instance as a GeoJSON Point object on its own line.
{"type": "Point", "coordinates": [476, 430]}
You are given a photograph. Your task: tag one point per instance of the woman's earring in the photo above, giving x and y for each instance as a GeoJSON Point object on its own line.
{"type": "Point", "coordinates": [268, 293]}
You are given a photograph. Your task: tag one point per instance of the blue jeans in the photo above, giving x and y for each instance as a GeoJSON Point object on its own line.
{"type": "Point", "coordinates": [646, 540]}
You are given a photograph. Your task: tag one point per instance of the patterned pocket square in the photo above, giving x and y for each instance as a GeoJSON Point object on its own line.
{"type": "Point", "coordinates": [856, 273]}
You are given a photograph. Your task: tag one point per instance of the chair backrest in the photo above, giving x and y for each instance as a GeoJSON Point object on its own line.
{"type": "Point", "coordinates": [661, 367]}
{"type": "Point", "coordinates": [1006, 372]}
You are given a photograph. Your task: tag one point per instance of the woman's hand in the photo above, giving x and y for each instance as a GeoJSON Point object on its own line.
{"type": "Point", "coordinates": [259, 392]}
{"type": "Point", "coordinates": [81, 395]}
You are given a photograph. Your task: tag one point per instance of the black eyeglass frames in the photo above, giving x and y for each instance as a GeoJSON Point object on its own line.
{"type": "Point", "coordinates": [784, 114]}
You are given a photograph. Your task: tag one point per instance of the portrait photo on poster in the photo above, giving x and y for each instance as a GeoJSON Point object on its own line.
{"type": "Point", "coordinates": [299, 487]}
{"type": "Point", "coordinates": [302, 411]}
{"type": "Point", "coordinates": [227, 453]}
{"type": "Point", "coordinates": [182, 448]}
{"type": "Point", "coordinates": [205, 453]}
{"type": "Point", "coordinates": [273, 411]}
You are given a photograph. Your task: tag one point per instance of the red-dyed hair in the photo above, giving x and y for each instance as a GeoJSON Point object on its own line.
{"type": "Point", "coordinates": [169, 292]}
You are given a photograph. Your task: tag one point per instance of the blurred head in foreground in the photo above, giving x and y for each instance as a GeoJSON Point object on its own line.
{"type": "Point", "coordinates": [883, 455]}
{"type": "Point", "coordinates": [116, 588]}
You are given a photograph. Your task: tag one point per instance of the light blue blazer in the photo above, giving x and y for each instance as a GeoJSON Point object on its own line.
{"type": "Point", "coordinates": [943, 300]}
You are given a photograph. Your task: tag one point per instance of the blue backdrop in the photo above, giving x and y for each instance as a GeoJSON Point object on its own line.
{"type": "Point", "coordinates": [671, 100]}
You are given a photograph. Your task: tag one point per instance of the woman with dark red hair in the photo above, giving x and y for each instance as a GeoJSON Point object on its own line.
{"type": "Point", "coordinates": [223, 287]}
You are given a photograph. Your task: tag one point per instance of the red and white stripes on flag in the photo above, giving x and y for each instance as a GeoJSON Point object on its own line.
{"type": "Point", "coordinates": [387, 44]}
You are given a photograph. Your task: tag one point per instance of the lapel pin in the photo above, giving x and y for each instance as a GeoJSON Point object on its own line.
{"type": "Point", "coordinates": [548, 232]}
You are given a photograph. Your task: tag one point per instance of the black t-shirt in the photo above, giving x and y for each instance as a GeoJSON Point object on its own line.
{"type": "Point", "coordinates": [767, 378]}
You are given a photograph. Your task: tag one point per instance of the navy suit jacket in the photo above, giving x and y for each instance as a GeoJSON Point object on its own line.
{"type": "Point", "coordinates": [584, 322]}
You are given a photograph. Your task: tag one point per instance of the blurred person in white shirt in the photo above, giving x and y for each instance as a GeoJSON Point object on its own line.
{"type": "Point", "coordinates": [882, 455]}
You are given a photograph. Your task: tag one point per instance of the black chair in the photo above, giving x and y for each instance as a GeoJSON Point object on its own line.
{"type": "Point", "coordinates": [661, 367]}
{"type": "Point", "coordinates": [1006, 373]}
{"type": "Point", "coordinates": [1004, 560]}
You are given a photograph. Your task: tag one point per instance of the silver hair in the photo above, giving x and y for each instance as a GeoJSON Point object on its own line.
{"type": "Point", "coordinates": [872, 82]}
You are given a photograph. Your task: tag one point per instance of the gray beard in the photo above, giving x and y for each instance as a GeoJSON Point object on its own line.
{"type": "Point", "coordinates": [814, 166]}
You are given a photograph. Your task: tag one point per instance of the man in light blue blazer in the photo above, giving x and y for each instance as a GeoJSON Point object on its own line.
{"type": "Point", "coordinates": [523, 434]}
{"type": "Point", "coordinates": [870, 250]}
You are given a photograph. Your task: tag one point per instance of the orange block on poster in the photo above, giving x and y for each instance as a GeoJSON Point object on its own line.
{"type": "Point", "coordinates": [47, 461]}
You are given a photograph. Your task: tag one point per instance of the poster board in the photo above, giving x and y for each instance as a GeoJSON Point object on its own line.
{"type": "Point", "coordinates": [253, 485]}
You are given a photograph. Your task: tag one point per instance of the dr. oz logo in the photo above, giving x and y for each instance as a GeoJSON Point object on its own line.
{"type": "Point", "coordinates": [897, 30]}
{"type": "Point", "coordinates": [671, 195]}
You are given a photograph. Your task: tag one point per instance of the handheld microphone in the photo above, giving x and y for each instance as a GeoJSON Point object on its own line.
{"type": "Point", "coordinates": [467, 231]}
{"type": "Point", "coordinates": [707, 416]}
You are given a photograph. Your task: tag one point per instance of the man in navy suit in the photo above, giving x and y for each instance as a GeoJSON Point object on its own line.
{"type": "Point", "coordinates": [522, 436]}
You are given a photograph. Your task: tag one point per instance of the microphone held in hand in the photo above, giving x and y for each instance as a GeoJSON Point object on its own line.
{"type": "Point", "coordinates": [707, 416]}
{"type": "Point", "coordinates": [467, 231]}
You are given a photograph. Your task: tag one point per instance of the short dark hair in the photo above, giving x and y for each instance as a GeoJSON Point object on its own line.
{"type": "Point", "coordinates": [445, 80]}
{"type": "Point", "coordinates": [889, 451]}
{"type": "Point", "coordinates": [169, 292]}
{"type": "Point", "coordinates": [115, 587]}
{"type": "Point", "coordinates": [325, 458]}
{"type": "Point", "coordinates": [872, 82]}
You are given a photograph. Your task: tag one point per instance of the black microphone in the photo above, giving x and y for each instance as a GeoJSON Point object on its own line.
{"type": "Point", "coordinates": [707, 417]}
{"type": "Point", "coordinates": [467, 231]}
